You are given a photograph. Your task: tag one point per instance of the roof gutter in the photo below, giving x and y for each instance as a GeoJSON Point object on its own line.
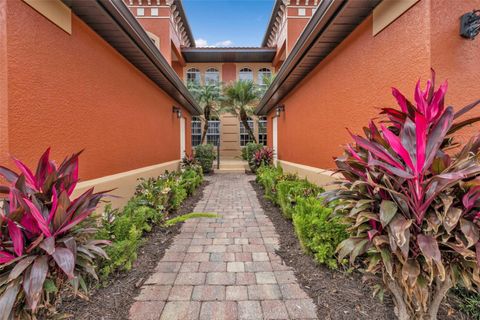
{"type": "Point", "coordinates": [319, 21]}
{"type": "Point", "coordinates": [122, 15]}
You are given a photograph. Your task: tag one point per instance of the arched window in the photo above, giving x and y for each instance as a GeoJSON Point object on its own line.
{"type": "Point", "coordinates": [212, 76]}
{"type": "Point", "coordinates": [244, 136]}
{"type": "Point", "coordinates": [262, 75]}
{"type": "Point", "coordinates": [193, 75]}
{"type": "Point", "coordinates": [245, 74]}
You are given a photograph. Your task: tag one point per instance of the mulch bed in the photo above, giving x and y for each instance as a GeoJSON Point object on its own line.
{"type": "Point", "coordinates": [112, 302]}
{"type": "Point", "coordinates": [338, 295]}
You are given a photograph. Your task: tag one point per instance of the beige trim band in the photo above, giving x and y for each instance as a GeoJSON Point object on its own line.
{"type": "Point", "coordinates": [124, 183]}
{"type": "Point", "coordinates": [55, 11]}
{"type": "Point", "coordinates": [388, 11]}
{"type": "Point", "coordinates": [320, 177]}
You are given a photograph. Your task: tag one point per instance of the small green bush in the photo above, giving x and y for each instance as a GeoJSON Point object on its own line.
{"type": "Point", "coordinates": [268, 177]}
{"type": "Point", "coordinates": [190, 180]}
{"type": "Point", "coordinates": [125, 228]}
{"type": "Point", "coordinates": [205, 155]}
{"type": "Point", "coordinates": [289, 191]}
{"type": "Point", "coordinates": [249, 150]}
{"type": "Point", "coordinates": [318, 232]}
{"type": "Point", "coordinates": [153, 199]}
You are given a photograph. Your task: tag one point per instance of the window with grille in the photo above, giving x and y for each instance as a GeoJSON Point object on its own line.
{"type": "Point", "coordinates": [213, 132]}
{"type": "Point", "coordinates": [196, 131]}
{"type": "Point", "coordinates": [262, 131]}
{"type": "Point", "coordinates": [263, 74]}
{"type": "Point", "coordinates": [244, 136]}
{"type": "Point", "coordinates": [246, 74]}
{"type": "Point", "coordinates": [193, 75]}
{"type": "Point", "coordinates": [212, 76]}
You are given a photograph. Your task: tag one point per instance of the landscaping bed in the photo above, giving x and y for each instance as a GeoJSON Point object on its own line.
{"type": "Point", "coordinates": [113, 301]}
{"type": "Point", "coordinates": [337, 295]}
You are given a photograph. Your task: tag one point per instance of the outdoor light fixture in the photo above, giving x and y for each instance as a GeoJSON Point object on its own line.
{"type": "Point", "coordinates": [279, 110]}
{"type": "Point", "coordinates": [470, 24]}
{"type": "Point", "coordinates": [177, 111]}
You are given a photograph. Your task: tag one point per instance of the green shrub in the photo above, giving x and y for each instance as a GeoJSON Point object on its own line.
{"type": "Point", "coordinates": [164, 193]}
{"type": "Point", "coordinates": [318, 232]}
{"type": "Point", "coordinates": [125, 228]}
{"type": "Point", "coordinates": [153, 199]}
{"type": "Point", "coordinates": [249, 150]}
{"type": "Point", "coordinates": [205, 155]}
{"type": "Point", "coordinates": [288, 192]}
{"type": "Point", "coordinates": [268, 177]}
{"type": "Point", "coordinates": [190, 180]}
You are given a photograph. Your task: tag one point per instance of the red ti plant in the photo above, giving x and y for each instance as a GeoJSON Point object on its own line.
{"type": "Point", "coordinates": [42, 245]}
{"type": "Point", "coordinates": [412, 197]}
{"type": "Point", "coordinates": [262, 157]}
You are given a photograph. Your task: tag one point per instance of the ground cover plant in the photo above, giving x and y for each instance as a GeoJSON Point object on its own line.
{"type": "Point", "coordinates": [268, 177]}
{"type": "Point", "coordinates": [154, 199]}
{"type": "Point", "coordinates": [411, 194]}
{"type": "Point", "coordinates": [289, 191]}
{"type": "Point", "coordinates": [318, 232]}
{"type": "Point", "coordinates": [45, 242]}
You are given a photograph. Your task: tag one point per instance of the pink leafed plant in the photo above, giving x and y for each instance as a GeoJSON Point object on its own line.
{"type": "Point", "coordinates": [42, 245]}
{"type": "Point", "coordinates": [412, 198]}
{"type": "Point", "coordinates": [262, 157]}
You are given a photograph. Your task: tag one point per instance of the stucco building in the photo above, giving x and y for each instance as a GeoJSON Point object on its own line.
{"type": "Point", "coordinates": [167, 25]}
{"type": "Point", "coordinates": [109, 76]}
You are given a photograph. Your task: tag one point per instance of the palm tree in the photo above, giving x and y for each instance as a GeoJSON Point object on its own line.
{"type": "Point", "coordinates": [240, 99]}
{"type": "Point", "coordinates": [208, 97]}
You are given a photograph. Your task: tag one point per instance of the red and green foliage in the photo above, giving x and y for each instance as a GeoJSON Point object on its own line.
{"type": "Point", "coordinates": [412, 196]}
{"type": "Point", "coordinates": [262, 157]}
{"type": "Point", "coordinates": [42, 245]}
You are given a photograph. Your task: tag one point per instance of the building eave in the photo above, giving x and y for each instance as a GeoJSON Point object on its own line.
{"type": "Point", "coordinates": [114, 22]}
{"type": "Point", "coordinates": [271, 22]}
{"type": "Point", "coordinates": [179, 5]}
{"type": "Point", "coordinates": [238, 54]}
{"type": "Point", "coordinates": [332, 22]}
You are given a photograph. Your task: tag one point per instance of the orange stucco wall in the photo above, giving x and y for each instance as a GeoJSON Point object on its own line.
{"type": "Point", "coordinates": [455, 58]}
{"type": "Point", "coordinates": [158, 27]}
{"type": "Point", "coordinates": [346, 88]}
{"type": "Point", "coordinates": [74, 92]}
{"type": "Point", "coordinates": [3, 84]}
{"type": "Point", "coordinates": [294, 30]}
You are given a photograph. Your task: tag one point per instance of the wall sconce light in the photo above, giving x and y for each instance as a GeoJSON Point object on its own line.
{"type": "Point", "coordinates": [279, 110]}
{"type": "Point", "coordinates": [178, 111]}
{"type": "Point", "coordinates": [470, 24]}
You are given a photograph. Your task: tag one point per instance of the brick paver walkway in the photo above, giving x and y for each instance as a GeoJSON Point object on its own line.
{"type": "Point", "coordinates": [224, 268]}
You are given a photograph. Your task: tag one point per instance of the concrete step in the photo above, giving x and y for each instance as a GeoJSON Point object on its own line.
{"type": "Point", "coordinates": [234, 170]}
{"type": "Point", "coordinates": [232, 166]}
